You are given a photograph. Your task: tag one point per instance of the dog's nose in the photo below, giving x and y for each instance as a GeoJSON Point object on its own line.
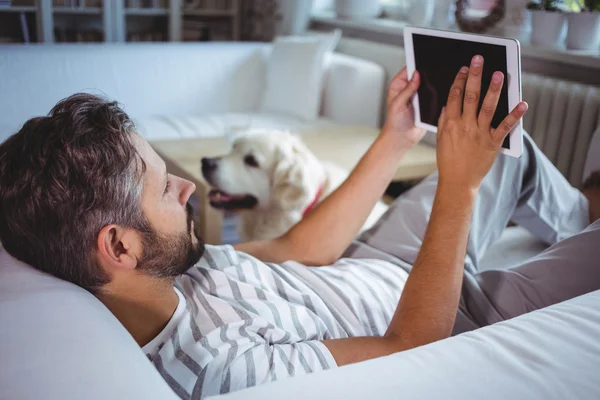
{"type": "Point", "coordinates": [209, 164]}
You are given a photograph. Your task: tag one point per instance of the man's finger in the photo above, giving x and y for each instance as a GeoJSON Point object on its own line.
{"type": "Point", "coordinates": [490, 103]}
{"type": "Point", "coordinates": [398, 83]}
{"type": "Point", "coordinates": [455, 97]}
{"type": "Point", "coordinates": [409, 91]}
{"type": "Point", "coordinates": [473, 89]}
{"type": "Point", "coordinates": [509, 122]}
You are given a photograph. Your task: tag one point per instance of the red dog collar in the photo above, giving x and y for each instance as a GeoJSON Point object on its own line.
{"type": "Point", "coordinates": [314, 202]}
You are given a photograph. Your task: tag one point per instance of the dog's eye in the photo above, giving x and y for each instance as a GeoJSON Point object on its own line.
{"type": "Point", "coordinates": [250, 161]}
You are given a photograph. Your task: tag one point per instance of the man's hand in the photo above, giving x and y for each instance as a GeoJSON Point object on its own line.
{"type": "Point", "coordinates": [467, 145]}
{"type": "Point", "coordinates": [400, 119]}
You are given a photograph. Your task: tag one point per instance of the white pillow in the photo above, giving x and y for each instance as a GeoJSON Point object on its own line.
{"type": "Point", "coordinates": [295, 76]}
{"type": "Point", "coordinates": [57, 341]}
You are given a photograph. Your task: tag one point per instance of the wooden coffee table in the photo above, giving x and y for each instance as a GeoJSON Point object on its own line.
{"type": "Point", "coordinates": [342, 145]}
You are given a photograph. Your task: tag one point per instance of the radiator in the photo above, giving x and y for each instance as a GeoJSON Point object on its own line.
{"type": "Point", "coordinates": [562, 119]}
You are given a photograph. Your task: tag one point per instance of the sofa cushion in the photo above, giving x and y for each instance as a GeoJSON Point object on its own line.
{"type": "Point", "coordinates": [340, 101]}
{"type": "Point", "coordinates": [215, 125]}
{"type": "Point", "coordinates": [57, 341]}
{"type": "Point", "coordinates": [295, 73]}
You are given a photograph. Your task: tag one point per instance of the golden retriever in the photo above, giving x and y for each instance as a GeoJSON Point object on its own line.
{"type": "Point", "coordinates": [273, 180]}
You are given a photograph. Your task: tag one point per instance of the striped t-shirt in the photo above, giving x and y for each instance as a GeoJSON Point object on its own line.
{"type": "Point", "coordinates": [241, 322]}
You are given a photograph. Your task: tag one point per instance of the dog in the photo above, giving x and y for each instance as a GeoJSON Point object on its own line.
{"type": "Point", "coordinates": [273, 181]}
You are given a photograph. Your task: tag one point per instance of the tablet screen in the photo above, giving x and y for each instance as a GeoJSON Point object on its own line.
{"type": "Point", "coordinates": [438, 60]}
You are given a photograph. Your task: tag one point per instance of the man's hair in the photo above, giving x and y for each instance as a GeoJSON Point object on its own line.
{"type": "Point", "coordinates": [65, 176]}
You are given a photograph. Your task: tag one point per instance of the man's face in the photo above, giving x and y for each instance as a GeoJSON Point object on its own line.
{"type": "Point", "coordinates": [172, 244]}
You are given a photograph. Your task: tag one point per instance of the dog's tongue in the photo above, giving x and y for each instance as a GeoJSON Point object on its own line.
{"type": "Point", "coordinates": [217, 196]}
{"type": "Point", "coordinates": [225, 201]}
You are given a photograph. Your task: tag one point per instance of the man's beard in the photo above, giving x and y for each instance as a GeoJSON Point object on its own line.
{"type": "Point", "coordinates": [168, 256]}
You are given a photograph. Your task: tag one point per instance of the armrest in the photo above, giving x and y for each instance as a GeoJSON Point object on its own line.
{"type": "Point", "coordinates": [353, 91]}
{"type": "Point", "coordinates": [546, 354]}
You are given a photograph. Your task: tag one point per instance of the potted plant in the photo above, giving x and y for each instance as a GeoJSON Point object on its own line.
{"type": "Point", "coordinates": [548, 23]}
{"type": "Point", "coordinates": [516, 22]}
{"type": "Point", "coordinates": [584, 26]}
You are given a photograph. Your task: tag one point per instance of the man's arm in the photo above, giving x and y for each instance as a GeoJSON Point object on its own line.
{"type": "Point", "coordinates": [322, 236]}
{"type": "Point", "coordinates": [429, 301]}
{"type": "Point", "coordinates": [466, 149]}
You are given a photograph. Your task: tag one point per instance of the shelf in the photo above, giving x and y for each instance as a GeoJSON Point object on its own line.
{"type": "Point", "coordinates": [209, 13]}
{"type": "Point", "coordinates": [117, 21]}
{"type": "Point", "coordinates": [77, 10]}
{"type": "Point", "coordinates": [17, 9]}
{"type": "Point", "coordinates": [391, 32]}
{"type": "Point", "coordinates": [146, 11]}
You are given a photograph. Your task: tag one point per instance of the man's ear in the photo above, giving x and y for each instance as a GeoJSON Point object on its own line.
{"type": "Point", "coordinates": [118, 248]}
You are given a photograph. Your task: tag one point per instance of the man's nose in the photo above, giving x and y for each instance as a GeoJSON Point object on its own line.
{"type": "Point", "coordinates": [209, 164]}
{"type": "Point", "coordinates": [188, 188]}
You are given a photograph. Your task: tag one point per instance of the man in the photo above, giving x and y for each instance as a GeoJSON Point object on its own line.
{"type": "Point", "coordinates": [86, 199]}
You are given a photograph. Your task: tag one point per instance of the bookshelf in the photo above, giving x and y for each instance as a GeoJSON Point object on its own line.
{"type": "Point", "coordinates": [50, 21]}
{"type": "Point", "coordinates": [210, 20]}
{"type": "Point", "coordinates": [177, 20]}
{"type": "Point", "coordinates": [80, 20]}
{"type": "Point", "coordinates": [77, 10]}
{"type": "Point", "coordinates": [142, 20]}
{"type": "Point", "coordinates": [16, 9]}
{"type": "Point", "coordinates": [146, 11]}
{"type": "Point", "coordinates": [18, 22]}
{"type": "Point", "coordinates": [58, 21]}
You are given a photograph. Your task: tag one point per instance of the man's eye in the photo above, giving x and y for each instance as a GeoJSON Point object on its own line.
{"type": "Point", "coordinates": [167, 186]}
{"type": "Point", "coordinates": [250, 161]}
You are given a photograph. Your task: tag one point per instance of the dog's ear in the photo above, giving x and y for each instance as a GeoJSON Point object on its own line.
{"type": "Point", "coordinates": [295, 174]}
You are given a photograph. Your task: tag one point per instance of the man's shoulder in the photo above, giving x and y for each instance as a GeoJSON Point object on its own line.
{"type": "Point", "coordinates": [218, 257]}
{"type": "Point", "coordinates": [221, 259]}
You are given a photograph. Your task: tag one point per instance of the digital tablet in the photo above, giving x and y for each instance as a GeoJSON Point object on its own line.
{"type": "Point", "coordinates": [439, 55]}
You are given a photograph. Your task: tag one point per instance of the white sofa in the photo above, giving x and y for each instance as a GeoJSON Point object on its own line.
{"type": "Point", "coordinates": [58, 342]}
{"type": "Point", "coordinates": [178, 90]}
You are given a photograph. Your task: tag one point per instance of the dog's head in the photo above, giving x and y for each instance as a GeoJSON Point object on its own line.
{"type": "Point", "coordinates": [264, 170]}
